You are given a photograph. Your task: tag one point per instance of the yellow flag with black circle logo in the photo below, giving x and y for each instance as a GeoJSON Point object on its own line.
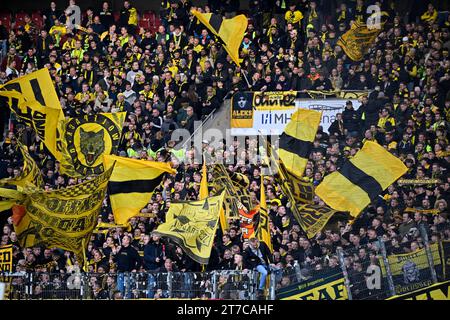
{"type": "Point", "coordinates": [86, 139]}
{"type": "Point", "coordinates": [296, 141]}
{"type": "Point", "coordinates": [361, 179]}
{"type": "Point", "coordinates": [63, 218]}
{"type": "Point", "coordinates": [230, 31]}
{"type": "Point", "coordinates": [192, 225]}
{"type": "Point", "coordinates": [33, 99]}
{"type": "Point", "coordinates": [132, 184]}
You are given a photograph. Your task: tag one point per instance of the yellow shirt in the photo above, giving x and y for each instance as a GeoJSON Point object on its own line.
{"type": "Point", "coordinates": [382, 122]}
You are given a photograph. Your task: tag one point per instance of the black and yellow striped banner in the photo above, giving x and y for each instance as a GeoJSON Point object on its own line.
{"type": "Point", "coordinates": [297, 139]}
{"type": "Point", "coordinates": [361, 179]}
{"type": "Point", "coordinates": [132, 184]}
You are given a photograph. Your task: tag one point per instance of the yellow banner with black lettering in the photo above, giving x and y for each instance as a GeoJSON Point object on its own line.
{"type": "Point", "coordinates": [314, 218]}
{"type": "Point", "coordinates": [192, 225]}
{"type": "Point", "coordinates": [411, 271]}
{"type": "Point", "coordinates": [6, 261]}
{"type": "Point", "coordinates": [343, 94]}
{"type": "Point", "coordinates": [438, 291]}
{"type": "Point", "coordinates": [33, 99]}
{"type": "Point", "coordinates": [63, 218]}
{"type": "Point", "coordinates": [30, 175]}
{"type": "Point", "coordinates": [86, 139]}
{"type": "Point", "coordinates": [327, 287]}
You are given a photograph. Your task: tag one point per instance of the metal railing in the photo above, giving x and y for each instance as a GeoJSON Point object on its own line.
{"type": "Point", "coordinates": [220, 284]}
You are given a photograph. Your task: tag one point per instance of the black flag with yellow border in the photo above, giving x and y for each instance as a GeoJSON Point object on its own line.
{"type": "Point", "coordinates": [230, 31]}
{"type": "Point", "coordinates": [361, 179]}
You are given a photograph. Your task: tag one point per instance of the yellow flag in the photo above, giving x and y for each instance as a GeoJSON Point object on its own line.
{"type": "Point", "coordinates": [204, 183]}
{"type": "Point", "coordinates": [297, 139]}
{"type": "Point", "coordinates": [33, 99]}
{"type": "Point", "coordinates": [86, 139]}
{"type": "Point", "coordinates": [357, 41]}
{"type": "Point", "coordinates": [30, 175]}
{"type": "Point", "coordinates": [62, 218]}
{"type": "Point", "coordinates": [132, 184]}
{"type": "Point", "coordinates": [361, 179]}
{"type": "Point", "coordinates": [192, 225]}
{"type": "Point", "coordinates": [230, 31]}
{"type": "Point", "coordinates": [263, 232]}
{"type": "Point", "coordinates": [6, 262]}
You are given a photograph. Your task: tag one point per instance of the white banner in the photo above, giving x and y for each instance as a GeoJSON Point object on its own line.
{"type": "Point", "coordinates": [272, 122]}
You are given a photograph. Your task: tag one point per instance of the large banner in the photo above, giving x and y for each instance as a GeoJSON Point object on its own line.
{"type": "Point", "coordinates": [324, 287]}
{"type": "Point", "coordinates": [63, 218]}
{"type": "Point", "coordinates": [268, 113]}
{"type": "Point", "coordinates": [438, 291]}
{"type": "Point", "coordinates": [411, 271]}
{"type": "Point", "coordinates": [6, 260]}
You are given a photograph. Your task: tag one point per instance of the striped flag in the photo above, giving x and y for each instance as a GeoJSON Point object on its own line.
{"type": "Point", "coordinates": [230, 31]}
{"type": "Point", "coordinates": [132, 184]}
{"type": "Point", "coordinates": [361, 179]}
{"type": "Point", "coordinates": [297, 139]}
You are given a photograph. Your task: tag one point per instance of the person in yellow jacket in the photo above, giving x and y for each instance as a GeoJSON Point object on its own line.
{"type": "Point", "coordinates": [57, 31]}
{"type": "Point", "coordinates": [385, 117]}
{"type": "Point", "coordinates": [78, 51]}
{"type": "Point", "coordinates": [430, 15]}
{"type": "Point", "coordinates": [293, 15]}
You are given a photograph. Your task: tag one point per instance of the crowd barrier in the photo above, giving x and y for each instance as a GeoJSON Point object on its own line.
{"type": "Point", "coordinates": [378, 270]}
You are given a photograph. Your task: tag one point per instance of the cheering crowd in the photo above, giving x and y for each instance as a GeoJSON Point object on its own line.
{"type": "Point", "coordinates": [171, 75]}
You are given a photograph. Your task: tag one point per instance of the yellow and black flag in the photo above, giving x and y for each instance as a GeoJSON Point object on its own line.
{"type": "Point", "coordinates": [30, 175]}
{"type": "Point", "coordinates": [192, 225]}
{"type": "Point", "coordinates": [303, 191]}
{"type": "Point", "coordinates": [33, 99]}
{"type": "Point", "coordinates": [357, 41]}
{"type": "Point", "coordinates": [230, 31]}
{"type": "Point", "coordinates": [132, 184]}
{"type": "Point", "coordinates": [296, 141]}
{"type": "Point", "coordinates": [263, 231]}
{"type": "Point", "coordinates": [86, 139]}
{"type": "Point", "coordinates": [361, 179]}
{"type": "Point", "coordinates": [9, 196]}
{"type": "Point", "coordinates": [63, 218]}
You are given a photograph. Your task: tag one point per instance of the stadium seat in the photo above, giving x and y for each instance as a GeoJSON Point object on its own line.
{"type": "Point", "coordinates": [6, 19]}
{"type": "Point", "coordinates": [37, 19]}
{"type": "Point", "coordinates": [19, 19]}
{"type": "Point", "coordinates": [144, 23]}
{"type": "Point", "coordinates": [116, 16]}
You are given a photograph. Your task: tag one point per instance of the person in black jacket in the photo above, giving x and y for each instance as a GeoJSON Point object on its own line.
{"type": "Point", "coordinates": [258, 256]}
{"type": "Point", "coordinates": [128, 260]}
{"type": "Point", "coordinates": [153, 253]}
{"type": "Point", "coordinates": [350, 118]}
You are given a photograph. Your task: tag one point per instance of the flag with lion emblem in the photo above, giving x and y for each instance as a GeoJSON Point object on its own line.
{"type": "Point", "coordinates": [86, 139]}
